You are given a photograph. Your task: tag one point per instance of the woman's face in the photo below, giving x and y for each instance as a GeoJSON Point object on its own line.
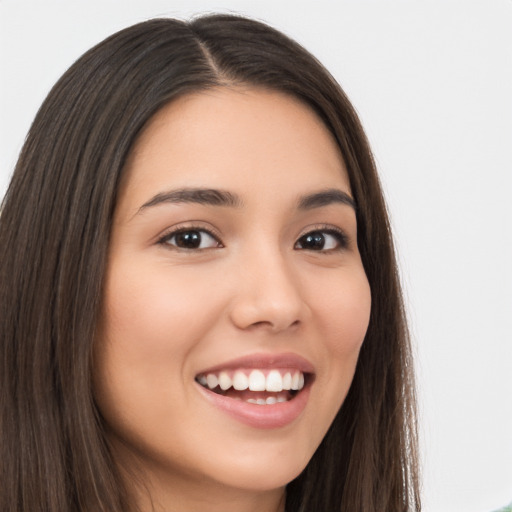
{"type": "Point", "coordinates": [233, 262]}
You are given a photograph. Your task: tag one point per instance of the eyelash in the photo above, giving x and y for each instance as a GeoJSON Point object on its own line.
{"type": "Point", "coordinates": [164, 240]}
{"type": "Point", "coordinates": [340, 236]}
{"type": "Point", "coordinates": [342, 239]}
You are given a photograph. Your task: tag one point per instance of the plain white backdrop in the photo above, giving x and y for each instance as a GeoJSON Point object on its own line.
{"type": "Point", "coordinates": [432, 82]}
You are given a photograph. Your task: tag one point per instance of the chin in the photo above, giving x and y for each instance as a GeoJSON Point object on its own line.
{"type": "Point", "coordinates": [262, 477]}
{"type": "Point", "coordinates": [261, 468]}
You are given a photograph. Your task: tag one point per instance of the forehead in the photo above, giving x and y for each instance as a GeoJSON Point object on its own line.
{"type": "Point", "coordinates": [249, 140]}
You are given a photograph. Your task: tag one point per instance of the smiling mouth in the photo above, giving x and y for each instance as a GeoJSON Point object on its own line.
{"type": "Point", "coordinates": [255, 386]}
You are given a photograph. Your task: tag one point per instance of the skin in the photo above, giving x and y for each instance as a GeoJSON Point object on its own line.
{"type": "Point", "coordinates": [252, 287]}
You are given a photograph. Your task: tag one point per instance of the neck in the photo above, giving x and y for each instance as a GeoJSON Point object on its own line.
{"type": "Point", "coordinates": [162, 490]}
{"type": "Point", "coordinates": [192, 498]}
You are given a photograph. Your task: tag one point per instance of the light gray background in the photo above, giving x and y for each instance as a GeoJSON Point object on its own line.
{"type": "Point", "coordinates": [432, 82]}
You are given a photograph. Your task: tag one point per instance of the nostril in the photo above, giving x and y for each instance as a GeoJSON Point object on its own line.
{"type": "Point", "coordinates": [274, 326]}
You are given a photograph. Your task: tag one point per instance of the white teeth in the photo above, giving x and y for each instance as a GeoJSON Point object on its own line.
{"type": "Point", "coordinates": [271, 400]}
{"type": "Point", "coordinates": [240, 381]}
{"type": "Point", "coordinates": [274, 381]}
{"type": "Point", "coordinates": [301, 381]}
{"type": "Point", "coordinates": [224, 381]}
{"type": "Point", "coordinates": [287, 381]}
{"type": "Point", "coordinates": [257, 381]}
{"type": "Point", "coordinates": [212, 381]}
{"type": "Point", "coordinates": [295, 381]}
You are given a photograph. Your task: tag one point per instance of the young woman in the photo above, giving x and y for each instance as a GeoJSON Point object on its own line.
{"type": "Point", "coordinates": [200, 307]}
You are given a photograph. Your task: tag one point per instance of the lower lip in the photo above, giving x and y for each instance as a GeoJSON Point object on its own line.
{"type": "Point", "coordinates": [260, 416]}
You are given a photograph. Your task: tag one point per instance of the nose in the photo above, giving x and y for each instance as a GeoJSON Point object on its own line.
{"type": "Point", "coordinates": [268, 295]}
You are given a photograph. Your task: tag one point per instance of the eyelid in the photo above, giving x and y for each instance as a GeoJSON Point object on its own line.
{"type": "Point", "coordinates": [189, 226]}
{"type": "Point", "coordinates": [344, 239]}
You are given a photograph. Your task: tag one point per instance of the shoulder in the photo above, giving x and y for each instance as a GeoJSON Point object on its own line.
{"type": "Point", "coordinates": [508, 508]}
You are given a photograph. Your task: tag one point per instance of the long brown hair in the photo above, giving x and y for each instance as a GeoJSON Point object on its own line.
{"type": "Point", "coordinates": [54, 234]}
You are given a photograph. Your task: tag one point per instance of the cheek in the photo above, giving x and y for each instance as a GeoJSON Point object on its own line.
{"type": "Point", "coordinates": [149, 325]}
{"type": "Point", "coordinates": [345, 313]}
{"type": "Point", "coordinates": [153, 316]}
{"type": "Point", "coordinates": [342, 312]}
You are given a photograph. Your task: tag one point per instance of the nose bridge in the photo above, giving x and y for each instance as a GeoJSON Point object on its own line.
{"type": "Point", "coordinates": [269, 292]}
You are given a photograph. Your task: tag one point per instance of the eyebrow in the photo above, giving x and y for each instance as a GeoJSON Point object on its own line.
{"type": "Point", "coordinates": [325, 198]}
{"type": "Point", "coordinates": [205, 196]}
{"type": "Point", "coordinates": [215, 197]}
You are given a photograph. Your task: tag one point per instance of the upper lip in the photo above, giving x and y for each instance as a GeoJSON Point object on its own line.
{"type": "Point", "coordinates": [264, 361]}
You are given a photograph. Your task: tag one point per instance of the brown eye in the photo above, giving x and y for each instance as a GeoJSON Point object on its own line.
{"type": "Point", "coordinates": [326, 240]}
{"type": "Point", "coordinates": [191, 239]}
